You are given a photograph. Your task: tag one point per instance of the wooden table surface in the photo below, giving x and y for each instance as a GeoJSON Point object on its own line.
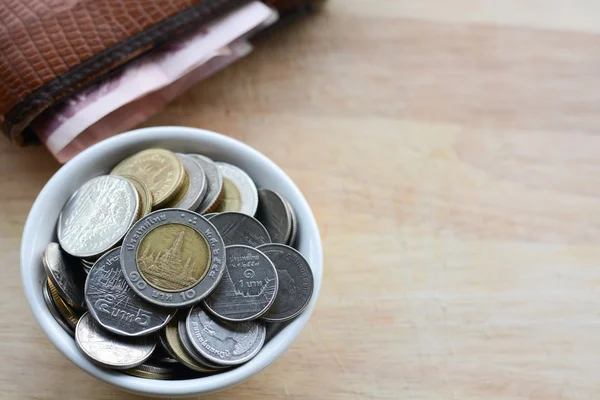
{"type": "Point", "coordinates": [450, 151]}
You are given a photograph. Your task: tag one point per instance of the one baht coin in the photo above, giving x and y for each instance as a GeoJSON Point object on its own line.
{"type": "Point", "coordinates": [113, 303]}
{"type": "Point", "coordinates": [173, 257]}
{"type": "Point", "coordinates": [97, 216]}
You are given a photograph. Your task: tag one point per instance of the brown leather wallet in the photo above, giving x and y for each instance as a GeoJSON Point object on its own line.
{"type": "Point", "coordinates": [50, 49]}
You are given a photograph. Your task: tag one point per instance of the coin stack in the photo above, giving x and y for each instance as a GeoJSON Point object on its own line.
{"type": "Point", "coordinates": [174, 265]}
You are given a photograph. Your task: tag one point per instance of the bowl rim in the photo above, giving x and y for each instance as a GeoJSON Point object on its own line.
{"type": "Point", "coordinates": [179, 388]}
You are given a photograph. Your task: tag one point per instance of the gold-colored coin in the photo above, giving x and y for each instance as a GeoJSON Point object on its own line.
{"type": "Point", "coordinates": [144, 195]}
{"type": "Point", "coordinates": [67, 312]}
{"type": "Point", "coordinates": [231, 197]}
{"type": "Point", "coordinates": [159, 169]}
{"type": "Point", "coordinates": [176, 348]}
{"type": "Point", "coordinates": [181, 192]}
{"type": "Point", "coordinates": [173, 257]}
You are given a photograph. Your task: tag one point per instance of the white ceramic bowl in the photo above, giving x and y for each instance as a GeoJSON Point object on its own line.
{"type": "Point", "coordinates": [40, 229]}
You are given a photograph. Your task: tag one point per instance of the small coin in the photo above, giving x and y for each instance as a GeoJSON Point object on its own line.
{"type": "Point", "coordinates": [54, 310]}
{"type": "Point", "coordinates": [196, 187]}
{"type": "Point", "coordinates": [191, 350]}
{"type": "Point", "coordinates": [152, 369]}
{"type": "Point", "coordinates": [248, 287]}
{"type": "Point", "coordinates": [294, 234]}
{"type": "Point", "coordinates": [97, 216]}
{"type": "Point", "coordinates": [68, 314]}
{"type": "Point", "coordinates": [295, 282]}
{"type": "Point", "coordinates": [239, 191]}
{"type": "Point", "coordinates": [115, 306]}
{"type": "Point", "coordinates": [172, 341]}
{"type": "Point", "coordinates": [67, 279]}
{"type": "Point", "coordinates": [238, 228]}
{"type": "Point", "coordinates": [109, 350]}
{"type": "Point", "coordinates": [221, 342]}
{"type": "Point", "coordinates": [274, 214]}
{"type": "Point", "coordinates": [144, 195]}
{"type": "Point", "coordinates": [214, 183]}
{"type": "Point", "coordinates": [173, 257]}
{"type": "Point", "coordinates": [159, 169]}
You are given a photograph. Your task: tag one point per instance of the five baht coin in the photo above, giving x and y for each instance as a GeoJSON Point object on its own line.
{"type": "Point", "coordinates": [159, 169]}
{"type": "Point", "coordinates": [239, 228]}
{"type": "Point", "coordinates": [248, 287]}
{"type": "Point", "coordinates": [239, 190]}
{"type": "Point", "coordinates": [296, 282]}
{"type": "Point", "coordinates": [274, 214]}
{"type": "Point", "coordinates": [222, 342]}
{"type": "Point", "coordinates": [97, 216]}
{"type": "Point", "coordinates": [109, 350]}
{"type": "Point", "coordinates": [115, 306]}
{"type": "Point", "coordinates": [214, 183]}
{"type": "Point", "coordinates": [173, 257]}
{"type": "Point", "coordinates": [66, 277]}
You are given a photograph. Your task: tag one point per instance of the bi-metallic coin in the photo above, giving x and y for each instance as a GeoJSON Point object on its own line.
{"type": "Point", "coordinates": [239, 191]}
{"type": "Point", "coordinates": [196, 188]}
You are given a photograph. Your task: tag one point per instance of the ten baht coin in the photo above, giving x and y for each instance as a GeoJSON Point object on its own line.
{"type": "Point", "coordinates": [173, 257]}
{"type": "Point", "coordinates": [295, 282]}
{"type": "Point", "coordinates": [109, 350]}
{"type": "Point", "coordinates": [97, 216]}
{"type": "Point", "coordinates": [239, 191]}
{"type": "Point", "coordinates": [248, 287]}
{"type": "Point", "coordinates": [239, 228]}
{"type": "Point", "coordinates": [222, 342]}
{"type": "Point", "coordinates": [67, 278]}
{"type": "Point", "coordinates": [160, 170]}
{"type": "Point", "coordinates": [214, 183]}
{"type": "Point", "coordinates": [115, 306]}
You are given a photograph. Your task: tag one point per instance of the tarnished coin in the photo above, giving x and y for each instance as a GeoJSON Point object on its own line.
{"type": "Point", "coordinates": [295, 282]}
{"type": "Point", "coordinates": [109, 350]}
{"type": "Point", "coordinates": [144, 194]}
{"type": "Point", "coordinates": [238, 228]}
{"type": "Point", "coordinates": [67, 278]}
{"type": "Point", "coordinates": [224, 343]}
{"type": "Point", "coordinates": [293, 235]}
{"type": "Point", "coordinates": [68, 314]}
{"type": "Point", "coordinates": [55, 312]}
{"type": "Point", "coordinates": [97, 216]}
{"type": "Point", "coordinates": [248, 287]}
{"type": "Point", "coordinates": [173, 257]}
{"type": "Point", "coordinates": [115, 306]}
{"type": "Point", "coordinates": [273, 213]}
{"type": "Point", "coordinates": [172, 341]}
{"type": "Point", "coordinates": [190, 349]}
{"type": "Point", "coordinates": [152, 369]}
{"type": "Point", "coordinates": [214, 183]}
{"type": "Point", "coordinates": [196, 187]}
{"type": "Point", "coordinates": [239, 191]}
{"type": "Point", "coordinates": [160, 170]}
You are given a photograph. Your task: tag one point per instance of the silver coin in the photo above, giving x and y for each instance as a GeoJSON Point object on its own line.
{"type": "Point", "coordinates": [97, 216]}
{"type": "Point", "coordinates": [197, 187]}
{"type": "Point", "coordinates": [55, 311]}
{"type": "Point", "coordinates": [248, 287]}
{"type": "Point", "coordinates": [274, 214]}
{"type": "Point", "coordinates": [295, 282]}
{"type": "Point", "coordinates": [239, 228]}
{"type": "Point", "coordinates": [115, 306]}
{"type": "Point", "coordinates": [214, 182]}
{"type": "Point", "coordinates": [221, 342]}
{"type": "Point", "coordinates": [172, 339]}
{"type": "Point", "coordinates": [67, 278]}
{"type": "Point", "coordinates": [189, 296]}
{"type": "Point", "coordinates": [154, 369]}
{"type": "Point", "coordinates": [210, 215]}
{"type": "Point", "coordinates": [191, 350]}
{"type": "Point", "coordinates": [245, 199]}
{"type": "Point", "coordinates": [294, 233]}
{"type": "Point", "coordinates": [109, 350]}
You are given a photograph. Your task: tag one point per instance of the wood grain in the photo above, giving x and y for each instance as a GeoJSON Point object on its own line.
{"type": "Point", "coordinates": [450, 151]}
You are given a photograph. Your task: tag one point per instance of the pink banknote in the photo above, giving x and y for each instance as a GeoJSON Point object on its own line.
{"type": "Point", "coordinates": [93, 114]}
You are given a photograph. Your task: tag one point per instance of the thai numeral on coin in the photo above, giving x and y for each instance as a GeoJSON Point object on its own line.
{"type": "Point", "coordinates": [135, 277]}
{"type": "Point", "coordinates": [188, 294]}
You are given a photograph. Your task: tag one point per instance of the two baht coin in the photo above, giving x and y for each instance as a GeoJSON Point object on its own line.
{"type": "Point", "coordinates": [173, 257]}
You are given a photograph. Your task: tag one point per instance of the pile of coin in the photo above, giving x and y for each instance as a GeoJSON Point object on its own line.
{"type": "Point", "coordinates": [174, 264]}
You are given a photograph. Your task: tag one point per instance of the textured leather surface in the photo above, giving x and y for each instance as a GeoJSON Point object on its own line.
{"type": "Point", "coordinates": [50, 49]}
